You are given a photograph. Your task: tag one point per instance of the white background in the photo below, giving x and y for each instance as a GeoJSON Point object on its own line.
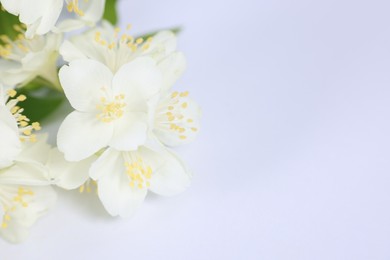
{"type": "Point", "coordinates": [293, 158]}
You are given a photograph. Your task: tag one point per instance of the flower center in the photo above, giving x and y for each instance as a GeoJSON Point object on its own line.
{"type": "Point", "coordinates": [15, 49]}
{"type": "Point", "coordinates": [118, 40]}
{"type": "Point", "coordinates": [73, 6]}
{"type": "Point", "coordinates": [25, 128]}
{"type": "Point", "coordinates": [111, 110]}
{"type": "Point", "coordinates": [88, 186]}
{"type": "Point", "coordinates": [17, 200]}
{"type": "Point", "coordinates": [171, 115]}
{"type": "Point", "coordinates": [139, 173]}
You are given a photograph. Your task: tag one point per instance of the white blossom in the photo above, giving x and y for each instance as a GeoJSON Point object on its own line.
{"type": "Point", "coordinates": [43, 16]}
{"type": "Point", "coordinates": [110, 109]}
{"type": "Point", "coordinates": [22, 60]}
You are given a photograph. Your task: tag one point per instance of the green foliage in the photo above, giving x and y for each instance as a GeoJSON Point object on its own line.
{"type": "Point", "coordinates": [110, 12]}
{"type": "Point", "coordinates": [7, 22]}
{"type": "Point", "coordinates": [175, 30]}
{"type": "Point", "coordinates": [41, 100]}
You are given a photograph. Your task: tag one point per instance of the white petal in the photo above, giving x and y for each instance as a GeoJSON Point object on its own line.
{"type": "Point", "coordinates": [129, 132]}
{"type": "Point", "coordinates": [12, 6]}
{"type": "Point", "coordinates": [83, 81]}
{"type": "Point", "coordinates": [70, 52]}
{"type": "Point", "coordinates": [138, 80]}
{"type": "Point", "coordinates": [93, 10]}
{"type": "Point", "coordinates": [81, 135]}
{"type": "Point", "coordinates": [50, 17]}
{"type": "Point", "coordinates": [172, 68]}
{"type": "Point", "coordinates": [40, 16]}
{"type": "Point", "coordinates": [68, 175]}
{"type": "Point", "coordinates": [22, 218]}
{"type": "Point", "coordinates": [35, 152]}
{"type": "Point", "coordinates": [12, 73]}
{"type": "Point", "coordinates": [68, 25]}
{"type": "Point", "coordinates": [24, 173]}
{"type": "Point", "coordinates": [104, 164]}
{"type": "Point", "coordinates": [114, 190]}
{"type": "Point", "coordinates": [9, 138]}
{"type": "Point", "coordinates": [170, 175]}
{"type": "Point", "coordinates": [163, 44]}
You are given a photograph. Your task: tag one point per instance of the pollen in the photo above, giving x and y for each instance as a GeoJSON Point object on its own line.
{"type": "Point", "coordinates": [88, 186]}
{"type": "Point", "coordinates": [25, 127]}
{"type": "Point", "coordinates": [172, 116]}
{"type": "Point", "coordinates": [111, 109]}
{"type": "Point", "coordinates": [139, 173]}
{"type": "Point", "coordinates": [73, 6]}
{"type": "Point", "coordinates": [118, 40]}
{"type": "Point", "coordinates": [17, 47]}
{"type": "Point", "coordinates": [19, 200]}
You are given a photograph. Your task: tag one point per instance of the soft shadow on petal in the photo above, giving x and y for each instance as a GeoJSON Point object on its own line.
{"type": "Point", "coordinates": [81, 135]}
{"type": "Point", "coordinates": [138, 81]}
{"type": "Point", "coordinates": [170, 175]}
{"type": "Point", "coordinates": [172, 67]}
{"type": "Point", "coordinates": [82, 81]}
{"type": "Point", "coordinates": [68, 175]}
{"type": "Point", "coordinates": [23, 217]}
{"type": "Point", "coordinates": [129, 132]}
{"type": "Point", "coordinates": [114, 190]}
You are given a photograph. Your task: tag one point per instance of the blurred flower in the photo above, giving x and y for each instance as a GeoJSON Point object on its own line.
{"type": "Point", "coordinates": [107, 45]}
{"type": "Point", "coordinates": [124, 178]}
{"type": "Point", "coordinates": [176, 117]}
{"type": "Point", "coordinates": [24, 59]}
{"type": "Point", "coordinates": [25, 192]}
{"type": "Point", "coordinates": [44, 16]}
{"type": "Point", "coordinates": [15, 128]}
{"type": "Point", "coordinates": [111, 110]}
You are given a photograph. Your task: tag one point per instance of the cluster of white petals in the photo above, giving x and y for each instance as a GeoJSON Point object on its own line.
{"type": "Point", "coordinates": [25, 191]}
{"type": "Point", "coordinates": [126, 117]}
{"type": "Point", "coordinates": [22, 60]}
{"type": "Point", "coordinates": [125, 114]}
{"type": "Point", "coordinates": [43, 16]}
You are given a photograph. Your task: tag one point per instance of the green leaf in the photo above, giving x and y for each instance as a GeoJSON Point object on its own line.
{"type": "Point", "coordinates": [7, 22]}
{"type": "Point", "coordinates": [110, 12]}
{"type": "Point", "coordinates": [175, 30]}
{"type": "Point", "coordinates": [41, 101]}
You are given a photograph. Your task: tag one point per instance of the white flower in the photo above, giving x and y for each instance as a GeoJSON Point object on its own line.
{"type": "Point", "coordinates": [124, 178]}
{"type": "Point", "coordinates": [15, 128]}
{"type": "Point", "coordinates": [24, 59]}
{"type": "Point", "coordinates": [43, 16]}
{"type": "Point", "coordinates": [176, 117]}
{"type": "Point", "coordinates": [111, 110]}
{"type": "Point", "coordinates": [25, 192]}
{"type": "Point", "coordinates": [107, 45]}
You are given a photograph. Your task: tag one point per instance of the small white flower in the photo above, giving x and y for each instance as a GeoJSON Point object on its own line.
{"type": "Point", "coordinates": [176, 117]}
{"type": "Point", "coordinates": [24, 59]}
{"type": "Point", "coordinates": [124, 178]}
{"type": "Point", "coordinates": [25, 192]}
{"type": "Point", "coordinates": [111, 110]}
{"type": "Point", "coordinates": [43, 16]}
{"type": "Point", "coordinates": [107, 45]}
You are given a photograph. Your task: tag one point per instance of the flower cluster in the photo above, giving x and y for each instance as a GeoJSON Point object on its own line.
{"type": "Point", "coordinates": [125, 116]}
